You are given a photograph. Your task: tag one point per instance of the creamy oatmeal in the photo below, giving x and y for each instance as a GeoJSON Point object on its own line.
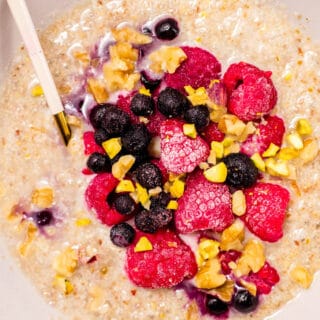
{"type": "Point", "coordinates": [72, 259]}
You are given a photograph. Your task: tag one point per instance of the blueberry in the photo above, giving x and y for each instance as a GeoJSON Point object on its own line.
{"type": "Point", "coordinates": [142, 105]}
{"type": "Point", "coordinates": [149, 83]}
{"type": "Point", "coordinates": [149, 175]}
{"type": "Point", "coordinates": [215, 305]}
{"type": "Point", "coordinates": [172, 103]}
{"type": "Point", "coordinates": [167, 29]}
{"type": "Point", "coordinates": [162, 217]}
{"type": "Point", "coordinates": [242, 173]}
{"type": "Point", "coordinates": [124, 204]}
{"type": "Point", "coordinates": [97, 115]}
{"type": "Point", "coordinates": [100, 135]}
{"type": "Point", "coordinates": [159, 201]}
{"type": "Point", "coordinates": [98, 162]}
{"type": "Point", "coordinates": [244, 301]}
{"type": "Point", "coordinates": [122, 234]}
{"type": "Point", "coordinates": [136, 139]}
{"type": "Point", "coordinates": [198, 115]}
{"type": "Point", "coordinates": [145, 222]}
{"type": "Point", "coordinates": [43, 218]}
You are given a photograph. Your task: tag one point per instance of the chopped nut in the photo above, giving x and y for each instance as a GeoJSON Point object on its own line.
{"type": "Point", "coordinates": [277, 168]}
{"type": "Point", "coordinates": [172, 205]}
{"type": "Point", "coordinates": [310, 150]}
{"type": "Point", "coordinates": [189, 130]}
{"type": "Point", "coordinates": [142, 194]}
{"type": "Point", "coordinates": [212, 159]}
{"type": "Point", "coordinates": [239, 203]}
{"type": "Point", "coordinates": [218, 148]}
{"type": "Point", "coordinates": [83, 222]}
{"type": "Point", "coordinates": [155, 191]}
{"type": "Point", "coordinates": [208, 248]}
{"type": "Point", "coordinates": [302, 276]}
{"type": "Point", "coordinates": [271, 151]}
{"type": "Point", "coordinates": [304, 127]}
{"type": "Point", "coordinates": [154, 148]}
{"type": "Point", "coordinates": [43, 198]}
{"type": "Point", "coordinates": [228, 141]}
{"type": "Point", "coordinates": [258, 162]}
{"type": "Point", "coordinates": [66, 262]}
{"type": "Point", "coordinates": [197, 96]}
{"type": "Point", "coordinates": [112, 147]}
{"type": "Point", "coordinates": [145, 91]}
{"type": "Point", "coordinates": [30, 235]}
{"type": "Point", "coordinates": [231, 124]}
{"type": "Point", "coordinates": [232, 237]}
{"type": "Point", "coordinates": [74, 121]}
{"type": "Point", "coordinates": [204, 165]}
{"type": "Point", "coordinates": [37, 91]}
{"type": "Point", "coordinates": [122, 166]}
{"type": "Point", "coordinates": [251, 287]}
{"type": "Point", "coordinates": [288, 153]}
{"type": "Point", "coordinates": [166, 59]}
{"type": "Point", "coordinates": [130, 35]}
{"type": "Point", "coordinates": [177, 188]}
{"type": "Point", "coordinates": [125, 186]}
{"type": "Point", "coordinates": [98, 89]}
{"type": "Point", "coordinates": [217, 173]}
{"type": "Point", "coordinates": [295, 140]}
{"type": "Point", "coordinates": [143, 245]}
{"type": "Point", "coordinates": [224, 292]}
{"type": "Point", "coordinates": [209, 276]}
{"type": "Point", "coordinates": [233, 148]}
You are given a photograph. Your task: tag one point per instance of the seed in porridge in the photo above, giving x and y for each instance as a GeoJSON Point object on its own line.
{"type": "Point", "coordinates": [150, 84]}
{"type": "Point", "coordinates": [215, 305]}
{"type": "Point", "coordinates": [124, 204]}
{"type": "Point", "coordinates": [244, 301]}
{"type": "Point", "coordinates": [149, 175]}
{"type": "Point", "coordinates": [136, 139]}
{"type": "Point", "coordinates": [242, 173]}
{"type": "Point", "coordinates": [98, 163]}
{"type": "Point", "coordinates": [100, 136]}
{"type": "Point", "coordinates": [122, 234]}
{"type": "Point", "coordinates": [167, 29]}
{"type": "Point", "coordinates": [160, 201]}
{"type": "Point", "coordinates": [43, 218]}
{"type": "Point", "coordinates": [142, 105]}
{"type": "Point", "coordinates": [198, 115]}
{"type": "Point", "coordinates": [172, 103]}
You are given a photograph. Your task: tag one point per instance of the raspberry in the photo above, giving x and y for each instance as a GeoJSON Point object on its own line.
{"type": "Point", "coordinates": [155, 122]}
{"type": "Point", "coordinates": [204, 205]}
{"type": "Point", "coordinates": [266, 210]}
{"type": "Point", "coordinates": [264, 279]}
{"type": "Point", "coordinates": [212, 133]}
{"type": "Point", "coordinates": [90, 145]}
{"type": "Point", "coordinates": [179, 153]}
{"type": "Point", "coordinates": [251, 91]}
{"type": "Point", "coordinates": [124, 102]}
{"type": "Point", "coordinates": [270, 131]}
{"type": "Point", "coordinates": [226, 257]}
{"type": "Point", "coordinates": [96, 197]}
{"type": "Point", "coordinates": [198, 70]}
{"type": "Point", "coordinates": [168, 263]}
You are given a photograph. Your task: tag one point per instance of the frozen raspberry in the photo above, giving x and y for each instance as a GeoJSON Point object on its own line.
{"type": "Point", "coordinates": [212, 133]}
{"type": "Point", "coordinates": [90, 145]}
{"type": "Point", "coordinates": [269, 131]}
{"type": "Point", "coordinates": [179, 153]}
{"type": "Point", "coordinates": [168, 263]}
{"type": "Point", "coordinates": [198, 70]}
{"type": "Point", "coordinates": [96, 197]}
{"type": "Point", "coordinates": [204, 205]}
{"type": "Point", "coordinates": [226, 257]}
{"type": "Point", "coordinates": [155, 122]}
{"type": "Point", "coordinates": [264, 279]}
{"type": "Point", "coordinates": [251, 91]}
{"type": "Point", "coordinates": [266, 210]}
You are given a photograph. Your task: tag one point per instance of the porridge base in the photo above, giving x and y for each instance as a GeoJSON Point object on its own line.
{"type": "Point", "coordinates": [33, 155]}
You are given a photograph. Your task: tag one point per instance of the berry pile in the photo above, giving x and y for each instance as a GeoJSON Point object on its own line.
{"type": "Point", "coordinates": [179, 156]}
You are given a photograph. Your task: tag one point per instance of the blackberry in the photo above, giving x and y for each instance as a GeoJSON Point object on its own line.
{"type": "Point", "coordinates": [198, 115]}
{"type": "Point", "coordinates": [244, 301]}
{"type": "Point", "coordinates": [159, 201]}
{"type": "Point", "coordinates": [124, 204]}
{"type": "Point", "coordinates": [122, 234]}
{"type": "Point", "coordinates": [100, 135]}
{"type": "Point", "coordinates": [215, 305]}
{"type": "Point", "coordinates": [172, 103]}
{"type": "Point", "coordinates": [98, 162]}
{"type": "Point", "coordinates": [136, 139]}
{"type": "Point", "coordinates": [150, 84]}
{"type": "Point", "coordinates": [149, 175]}
{"type": "Point", "coordinates": [242, 173]}
{"type": "Point", "coordinates": [142, 105]}
{"type": "Point", "coordinates": [167, 29]}
{"type": "Point", "coordinates": [43, 218]}
{"type": "Point", "coordinates": [145, 222]}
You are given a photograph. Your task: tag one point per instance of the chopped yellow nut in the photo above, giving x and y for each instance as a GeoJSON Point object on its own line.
{"type": "Point", "coordinates": [310, 150]}
{"type": "Point", "coordinates": [208, 248]}
{"type": "Point", "coordinates": [304, 127]}
{"type": "Point", "coordinates": [218, 148]}
{"type": "Point", "coordinates": [227, 142]}
{"type": "Point", "coordinates": [30, 235]}
{"type": "Point", "coordinates": [224, 292]}
{"type": "Point", "coordinates": [172, 205]}
{"type": "Point", "coordinates": [43, 198]}
{"type": "Point", "coordinates": [166, 59]}
{"type": "Point", "coordinates": [83, 222]}
{"type": "Point", "coordinates": [125, 186]}
{"type": "Point", "coordinates": [122, 166]}
{"type": "Point", "coordinates": [288, 153]}
{"type": "Point", "coordinates": [271, 151]}
{"type": "Point", "coordinates": [212, 159]}
{"type": "Point", "coordinates": [277, 168]}
{"type": "Point", "coordinates": [233, 148]}
{"type": "Point", "coordinates": [145, 91]}
{"type": "Point", "coordinates": [37, 91]}
{"type": "Point", "coordinates": [232, 237]}
{"type": "Point", "coordinates": [239, 206]}
{"type": "Point", "coordinates": [177, 188]}
{"type": "Point", "coordinates": [295, 140]}
{"type": "Point", "coordinates": [302, 276]}
{"type": "Point", "coordinates": [209, 276]}
{"type": "Point", "coordinates": [155, 191]}
{"type": "Point", "coordinates": [251, 287]}
{"type": "Point", "coordinates": [204, 165]}
{"type": "Point", "coordinates": [197, 96]}
{"type": "Point", "coordinates": [189, 130]}
{"type": "Point", "coordinates": [143, 245]}
{"type": "Point", "coordinates": [98, 89]}
{"type": "Point", "coordinates": [112, 147]}
{"type": "Point", "coordinates": [258, 162]}
{"type": "Point", "coordinates": [63, 284]}
{"type": "Point", "coordinates": [130, 35]}
{"type": "Point", "coordinates": [217, 173]}
{"type": "Point", "coordinates": [231, 124]}
{"type": "Point", "coordinates": [142, 193]}
{"type": "Point", "coordinates": [66, 262]}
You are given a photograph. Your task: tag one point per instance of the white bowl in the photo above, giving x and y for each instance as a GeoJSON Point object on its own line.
{"type": "Point", "coordinates": [18, 298]}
